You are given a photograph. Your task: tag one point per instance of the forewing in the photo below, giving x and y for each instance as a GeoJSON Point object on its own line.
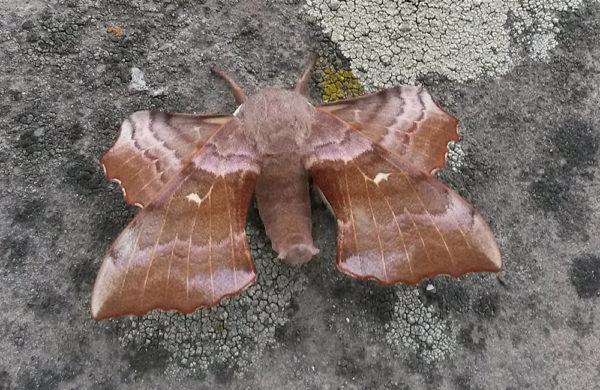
{"type": "Point", "coordinates": [404, 120]}
{"type": "Point", "coordinates": [152, 146]}
{"type": "Point", "coordinates": [187, 248]}
{"type": "Point", "coordinates": [395, 222]}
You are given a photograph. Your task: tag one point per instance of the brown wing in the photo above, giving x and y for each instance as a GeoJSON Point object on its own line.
{"type": "Point", "coordinates": [187, 248]}
{"type": "Point", "coordinates": [395, 222]}
{"type": "Point", "coordinates": [152, 146]}
{"type": "Point", "coordinates": [404, 120]}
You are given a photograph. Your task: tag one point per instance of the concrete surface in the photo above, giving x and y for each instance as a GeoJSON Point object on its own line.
{"type": "Point", "coordinates": [70, 71]}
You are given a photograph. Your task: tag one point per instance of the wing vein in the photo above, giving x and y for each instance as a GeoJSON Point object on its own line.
{"type": "Point", "coordinates": [462, 233]}
{"type": "Point", "coordinates": [387, 202]}
{"type": "Point", "coordinates": [140, 152]}
{"type": "Point", "coordinates": [133, 175]}
{"type": "Point", "coordinates": [162, 226]}
{"type": "Point", "coordinates": [210, 265]}
{"type": "Point", "coordinates": [341, 234]}
{"type": "Point", "coordinates": [395, 219]}
{"type": "Point", "coordinates": [130, 258]}
{"type": "Point", "coordinates": [235, 283]}
{"type": "Point", "coordinates": [376, 231]}
{"type": "Point", "coordinates": [187, 277]}
{"type": "Point", "coordinates": [170, 263]}
{"type": "Point", "coordinates": [362, 134]}
{"type": "Point", "coordinates": [419, 233]}
{"type": "Point", "coordinates": [190, 160]}
{"type": "Point", "coordinates": [428, 214]}
{"type": "Point", "coordinates": [158, 176]}
{"type": "Point", "coordinates": [352, 215]}
{"type": "Point", "coordinates": [353, 127]}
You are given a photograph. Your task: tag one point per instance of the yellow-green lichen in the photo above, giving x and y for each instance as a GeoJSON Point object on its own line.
{"type": "Point", "coordinates": [340, 84]}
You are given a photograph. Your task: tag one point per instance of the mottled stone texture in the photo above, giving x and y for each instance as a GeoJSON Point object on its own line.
{"type": "Point", "coordinates": [391, 41]}
{"type": "Point", "coordinates": [528, 163]}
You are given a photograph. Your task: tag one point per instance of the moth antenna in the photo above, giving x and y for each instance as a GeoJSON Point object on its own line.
{"type": "Point", "coordinates": [239, 95]}
{"type": "Point", "coordinates": [303, 82]}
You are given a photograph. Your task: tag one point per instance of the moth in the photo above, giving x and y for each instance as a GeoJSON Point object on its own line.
{"type": "Point", "coordinates": [193, 176]}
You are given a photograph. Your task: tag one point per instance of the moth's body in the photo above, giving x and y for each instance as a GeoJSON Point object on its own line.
{"type": "Point", "coordinates": [279, 122]}
{"type": "Point", "coordinates": [194, 177]}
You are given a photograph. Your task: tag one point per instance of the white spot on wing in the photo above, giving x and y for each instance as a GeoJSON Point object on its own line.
{"type": "Point", "coordinates": [115, 179]}
{"type": "Point", "coordinates": [380, 177]}
{"type": "Point", "coordinates": [193, 197]}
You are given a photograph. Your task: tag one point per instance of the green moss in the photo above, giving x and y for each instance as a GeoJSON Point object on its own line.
{"type": "Point", "coordinates": [340, 84]}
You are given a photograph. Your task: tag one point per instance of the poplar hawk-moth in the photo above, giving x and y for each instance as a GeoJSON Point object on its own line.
{"type": "Point", "coordinates": [194, 176]}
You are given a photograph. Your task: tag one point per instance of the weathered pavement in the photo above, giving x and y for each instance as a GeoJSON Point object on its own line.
{"type": "Point", "coordinates": [522, 79]}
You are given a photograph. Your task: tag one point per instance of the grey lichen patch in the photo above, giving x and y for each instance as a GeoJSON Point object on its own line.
{"type": "Point", "coordinates": [455, 159]}
{"type": "Point", "coordinates": [392, 42]}
{"type": "Point", "coordinates": [232, 334]}
{"type": "Point", "coordinates": [419, 328]}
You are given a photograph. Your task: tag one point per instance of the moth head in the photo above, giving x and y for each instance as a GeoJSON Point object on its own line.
{"type": "Point", "coordinates": [278, 120]}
